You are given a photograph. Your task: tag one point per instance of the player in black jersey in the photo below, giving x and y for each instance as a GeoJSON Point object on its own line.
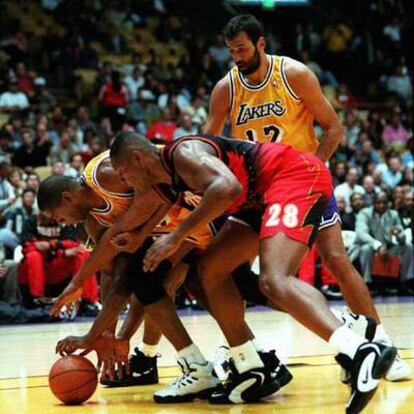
{"type": "Point", "coordinates": [290, 189]}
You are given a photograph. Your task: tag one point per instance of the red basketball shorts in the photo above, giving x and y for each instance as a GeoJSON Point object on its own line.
{"type": "Point", "coordinates": [295, 188]}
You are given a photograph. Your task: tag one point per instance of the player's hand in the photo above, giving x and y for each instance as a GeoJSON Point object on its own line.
{"type": "Point", "coordinates": [175, 278]}
{"type": "Point", "coordinates": [164, 247]}
{"type": "Point", "coordinates": [128, 241]}
{"type": "Point", "coordinates": [70, 344]}
{"type": "Point", "coordinates": [112, 355]}
{"type": "Point", "coordinates": [69, 297]}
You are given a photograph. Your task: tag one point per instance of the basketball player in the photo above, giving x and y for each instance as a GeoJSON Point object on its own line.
{"type": "Point", "coordinates": [276, 99]}
{"type": "Point", "coordinates": [102, 201]}
{"type": "Point", "coordinates": [100, 188]}
{"type": "Point", "coordinates": [290, 189]}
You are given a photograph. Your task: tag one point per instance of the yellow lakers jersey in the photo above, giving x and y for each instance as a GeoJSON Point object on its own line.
{"type": "Point", "coordinates": [118, 203]}
{"type": "Point", "coordinates": [270, 111]}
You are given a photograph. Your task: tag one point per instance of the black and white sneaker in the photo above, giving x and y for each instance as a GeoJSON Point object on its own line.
{"type": "Point", "coordinates": [371, 362]}
{"type": "Point", "coordinates": [221, 363]}
{"type": "Point", "coordinates": [364, 326]}
{"type": "Point", "coordinates": [143, 371]}
{"type": "Point", "coordinates": [273, 363]}
{"type": "Point", "coordinates": [196, 382]}
{"type": "Point", "coordinates": [248, 387]}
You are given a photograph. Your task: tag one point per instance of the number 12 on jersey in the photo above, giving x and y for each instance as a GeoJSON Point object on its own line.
{"type": "Point", "coordinates": [272, 133]}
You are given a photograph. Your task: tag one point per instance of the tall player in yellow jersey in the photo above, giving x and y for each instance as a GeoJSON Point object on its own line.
{"type": "Point", "coordinates": [103, 203]}
{"type": "Point", "coordinates": [277, 99]}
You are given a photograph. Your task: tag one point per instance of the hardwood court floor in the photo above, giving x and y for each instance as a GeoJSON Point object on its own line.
{"type": "Point", "coordinates": [27, 352]}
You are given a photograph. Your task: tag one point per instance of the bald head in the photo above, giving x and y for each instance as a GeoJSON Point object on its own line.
{"type": "Point", "coordinates": [126, 143]}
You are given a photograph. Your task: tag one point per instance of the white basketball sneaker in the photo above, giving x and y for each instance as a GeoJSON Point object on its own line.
{"type": "Point", "coordinates": [196, 382]}
{"type": "Point", "coordinates": [221, 362]}
{"type": "Point", "coordinates": [366, 327]}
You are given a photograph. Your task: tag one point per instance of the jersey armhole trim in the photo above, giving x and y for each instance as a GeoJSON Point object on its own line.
{"type": "Point", "coordinates": [231, 92]}
{"type": "Point", "coordinates": [285, 81]}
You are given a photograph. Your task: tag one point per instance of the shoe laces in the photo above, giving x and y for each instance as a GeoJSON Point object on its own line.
{"type": "Point", "coordinates": [185, 378]}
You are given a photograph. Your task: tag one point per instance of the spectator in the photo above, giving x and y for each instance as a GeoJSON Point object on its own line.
{"type": "Point", "coordinates": [163, 130]}
{"type": "Point", "coordinates": [113, 98]}
{"type": "Point", "coordinates": [58, 168]}
{"type": "Point", "coordinates": [134, 82]}
{"type": "Point", "coordinates": [197, 111]}
{"type": "Point", "coordinates": [43, 100]}
{"type": "Point", "coordinates": [219, 52]}
{"type": "Point", "coordinates": [5, 146]}
{"type": "Point", "coordinates": [395, 133]}
{"type": "Point", "coordinates": [95, 147]}
{"type": "Point", "coordinates": [186, 127]}
{"type": "Point", "coordinates": [29, 154]}
{"type": "Point", "coordinates": [400, 83]}
{"type": "Point", "coordinates": [136, 61]}
{"type": "Point", "coordinates": [349, 219]}
{"type": "Point", "coordinates": [16, 217]}
{"type": "Point", "coordinates": [9, 287]}
{"type": "Point", "coordinates": [393, 30]}
{"type": "Point", "coordinates": [351, 129]}
{"type": "Point", "coordinates": [397, 197]}
{"type": "Point", "coordinates": [379, 231]}
{"type": "Point", "coordinates": [13, 101]}
{"type": "Point", "coordinates": [406, 210]}
{"type": "Point", "coordinates": [32, 182]}
{"type": "Point", "coordinates": [75, 166]}
{"type": "Point", "coordinates": [370, 190]}
{"type": "Point", "coordinates": [7, 199]}
{"type": "Point", "coordinates": [339, 173]}
{"type": "Point", "coordinates": [83, 119]}
{"type": "Point", "coordinates": [391, 172]}
{"type": "Point", "coordinates": [16, 131]}
{"type": "Point", "coordinates": [51, 256]}
{"type": "Point", "coordinates": [17, 183]}
{"type": "Point", "coordinates": [64, 150]}
{"type": "Point", "coordinates": [348, 187]}
{"type": "Point", "coordinates": [24, 80]}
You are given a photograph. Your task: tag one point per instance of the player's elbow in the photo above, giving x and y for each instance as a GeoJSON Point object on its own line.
{"type": "Point", "coordinates": [232, 189]}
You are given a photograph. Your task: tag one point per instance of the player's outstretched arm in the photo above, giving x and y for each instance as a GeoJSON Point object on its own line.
{"type": "Point", "coordinates": [142, 209]}
{"type": "Point", "coordinates": [195, 163]}
{"type": "Point", "coordinates": [218, 107]}
{"type": "Point", "coordinates": [114, 303]}
{"type": "Point", "coordinates": [306, 86]}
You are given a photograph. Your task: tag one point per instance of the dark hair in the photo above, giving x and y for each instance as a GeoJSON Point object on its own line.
{"type": "Point", "coordinates": [51, 189]}
{"type": "Point", "coordinates": [244, 23]}
{"type": "Point", "coordinates": [28, 190]}
{"type": "Point", "coordinates": [126, 141]}
{"type": "Point", "coordinates": [76, 154]}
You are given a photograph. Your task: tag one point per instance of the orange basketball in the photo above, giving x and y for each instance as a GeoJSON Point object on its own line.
{"type": "Point", "coordinates": [73, 379]}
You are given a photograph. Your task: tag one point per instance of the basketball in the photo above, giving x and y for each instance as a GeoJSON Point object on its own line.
{"type": "Point", "coordinates": [73, 379]}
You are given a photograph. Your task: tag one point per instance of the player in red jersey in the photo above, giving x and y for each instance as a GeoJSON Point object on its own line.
{"type": "Point", "coordinates": [290, 189]}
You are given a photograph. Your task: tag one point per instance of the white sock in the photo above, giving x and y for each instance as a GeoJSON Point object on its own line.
{"type": "Point", "coordinates": [192, 354]}
{"type": "Point", "coordinates": [258, 346]}
{"type": "Point", "coordinates": [245, 357]}
{"type": "Point", "coordinates": [149, 350]}
{"type": "Point", "coordinates": [381, 335]}
{"type": "Point", "coordinates": [346, 341]}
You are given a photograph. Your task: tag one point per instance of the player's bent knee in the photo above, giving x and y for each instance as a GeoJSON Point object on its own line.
{"type": "Point", "coordinates": [149, 287]}
{"type": "Point", "coordinates": [272, 287]}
